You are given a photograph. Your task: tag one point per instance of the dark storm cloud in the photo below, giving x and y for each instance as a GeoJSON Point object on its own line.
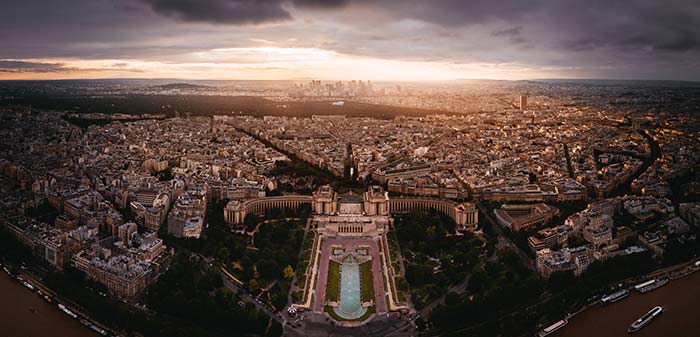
{"type": "Point", "coordinates": [573, 24]}
{"type": "Point", "coordinates": [12, 66]}
{"type": "Point", "coordinates": [563, 33]}
{"type": "Point", "coordinates": [461, 12]}
{"type": "Point", "coordinates": [235, 11]}
{"type": "Point", "coordinates": [221, 11]}
{"type": "Point", "coordinates": [442, 12]}
{"type": "Point", "coordinates": [672, 25]}
{"type": "Point", "coordinates": [70, 28]}
{"type": "Point", "coordinates": [513, 35]}
{"type": "Point", "coordinates": [509, 32]}
{"type": "Point", "coordinates": [569, 24]}
{"type": "Point", "coordinates": [321, 3]}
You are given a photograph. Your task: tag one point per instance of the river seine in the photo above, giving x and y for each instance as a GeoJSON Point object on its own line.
{"type": "Point", "coordinates": [24, 314]}
{"type": "Point", "coordinates": [680, 300]}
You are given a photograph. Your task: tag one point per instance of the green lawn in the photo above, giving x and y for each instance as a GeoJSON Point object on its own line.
{"type": "Point", "coordinates": [333, 284]}
{"type": "Point", "coordinates": [367, 281]}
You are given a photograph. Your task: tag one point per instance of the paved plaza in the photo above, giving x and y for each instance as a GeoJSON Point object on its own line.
{"type": "Point", "coordinates": [326, 253]}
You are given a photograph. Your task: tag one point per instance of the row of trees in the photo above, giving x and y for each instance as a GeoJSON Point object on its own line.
{"type": "Point", "coordinates": [190, 293]}
{"type": "Point", "coordinates": [433, 259]}
{"type": "Point", "coordinates": [188, 300]}
{"type": "Point", "coordinates": [509, 299]}
{"type": "Point", "coordinates": [497, 287]}
{"type": "Point", "coordinates": [272, 256]}
{"type": "Point", "coordinates": [315, 176]}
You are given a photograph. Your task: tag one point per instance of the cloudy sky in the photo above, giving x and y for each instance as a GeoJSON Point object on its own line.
{"type": "Point", "coordinates": [350, 39]}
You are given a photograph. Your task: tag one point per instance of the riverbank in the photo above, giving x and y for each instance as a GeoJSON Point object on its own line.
{"type": "Point", "coordinates": [24, 314]}
{"type": "Point", "coordinates": [681, 318]}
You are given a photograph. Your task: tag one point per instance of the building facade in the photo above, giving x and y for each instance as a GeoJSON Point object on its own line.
{"type": "Point", "coordinates": [374, 202]}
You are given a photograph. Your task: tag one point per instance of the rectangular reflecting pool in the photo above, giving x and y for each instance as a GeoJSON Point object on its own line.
{"type": "Point", "coordinates": [350, 303]}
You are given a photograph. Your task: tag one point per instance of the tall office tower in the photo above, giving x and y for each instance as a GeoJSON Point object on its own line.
{"type": "Point", "coordinates": [523, 102]}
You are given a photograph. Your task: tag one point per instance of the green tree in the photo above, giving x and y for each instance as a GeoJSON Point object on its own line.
{"type": "Point", "coordinates": [575, 241]}
{"type": "Point", "coordinates": [430, 232]}
{"type": "Point", "coordinates": [253, 285]}
{"type": "Point", "coordinates": [288, 272]}
{"type": "Point", "coordinates": [223, 255]}
{"type": "Point", "coordinates": [251, 221]}
{"type": "Point", "coordinates": [267, 268]}
{"type": "Point", "coordinates": [274, 213]}
{"type": "Point", "coordinates": [561, 280]}
{"type": "Point", "coordinates": [247, 265]}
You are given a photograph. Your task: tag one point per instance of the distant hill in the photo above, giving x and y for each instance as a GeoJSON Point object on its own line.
{"type": "Point", "coordinates": [207, 105]}
{"type": "Point", "coordinates": [180, 86]}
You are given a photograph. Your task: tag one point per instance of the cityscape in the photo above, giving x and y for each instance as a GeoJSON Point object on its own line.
{"type": "Point", "coordinates": [228, 168]}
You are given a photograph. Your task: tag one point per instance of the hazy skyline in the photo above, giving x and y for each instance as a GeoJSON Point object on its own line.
{"type": "Point", "coordinates": [350, 39]}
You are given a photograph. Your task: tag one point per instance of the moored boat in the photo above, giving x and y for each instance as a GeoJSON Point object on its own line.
{"type": "Point", "coordinates": [614, 297]}
{"type": "Point", "coordinates": [98, 329]}
{"type": "Point", "coordinates": [67, 311]}
{"type": "Point", "coordinates": [93, 327]}
{"type": "Point", "coordinates": [552, 328]}
{"type": "Point", "coordinates": [28, 285]}
{"type": "Point", "coordinates": [651, 285]}
{"type": "Point", "coordinates": [645, 319]}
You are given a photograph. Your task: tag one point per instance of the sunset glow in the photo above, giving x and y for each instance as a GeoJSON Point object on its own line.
{"type": "Point", "coordinates": [347, 39]}
{"type": "Point", "coordinates": [268, 63]}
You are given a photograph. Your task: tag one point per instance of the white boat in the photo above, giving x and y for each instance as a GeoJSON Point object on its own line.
{"type": "Point", "coordinates": [552, 328]}
{"type": "Point", "coordinates": [644, 284]}
{"type": "Point", "coordinates": [614, 297]}
{"type": "Point", "coordinates": [651, 285]}
{"type": "Point", "coordinates": [66, 311]}
{"type": "Point", "coordinates": [98, 330]}
{"type": "Point", "coordinates": [645, 319]}
{"type": "Point", "coordinates": [28, 285]}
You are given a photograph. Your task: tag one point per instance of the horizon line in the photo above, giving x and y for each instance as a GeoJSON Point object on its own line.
{"type": "Point", "coordinates": [344, 80]}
